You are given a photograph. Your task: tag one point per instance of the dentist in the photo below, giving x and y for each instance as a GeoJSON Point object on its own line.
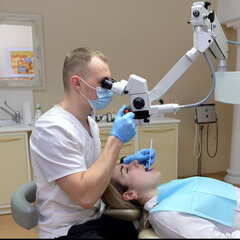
{"type": "Point", "coordinates": [70, 170]}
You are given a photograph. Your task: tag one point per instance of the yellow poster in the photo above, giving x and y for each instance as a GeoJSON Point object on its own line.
{"type": "Point", "coordinates": [22, 62]}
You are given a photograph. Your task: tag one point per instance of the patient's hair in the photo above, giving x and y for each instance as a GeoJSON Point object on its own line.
{"type": "Point", "coordinates": [76, 62]}
{"type": "Point", "coordinates": [113, 198]}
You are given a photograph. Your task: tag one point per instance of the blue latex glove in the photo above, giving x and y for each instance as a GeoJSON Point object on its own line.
{"type": "Point", "coordinates": [142, 157]}
{"type": "Point", "coordinates": [124, 126]}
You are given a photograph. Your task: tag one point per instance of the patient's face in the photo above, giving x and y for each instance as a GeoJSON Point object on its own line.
{"type": "Point", "coordinates": [136, 177]}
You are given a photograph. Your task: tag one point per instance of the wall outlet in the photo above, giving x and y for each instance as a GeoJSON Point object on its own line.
{"type": "Point", "coordinates": [206, 113]}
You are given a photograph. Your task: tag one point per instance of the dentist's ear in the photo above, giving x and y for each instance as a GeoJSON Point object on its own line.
{"type": "Point", "coordinates": [128, 196]}
{"type": "Point", "coordinates": [75, 82]}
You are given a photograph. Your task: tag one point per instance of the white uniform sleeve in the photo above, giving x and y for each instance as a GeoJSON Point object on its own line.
{"type": "Point", "coordinates": [57, 152]}
{"type": "Point", "coordinates": [182, 225]}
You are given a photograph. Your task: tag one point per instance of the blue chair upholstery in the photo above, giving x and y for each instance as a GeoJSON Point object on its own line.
{"type": "Point", "coordinates": [23, 211]}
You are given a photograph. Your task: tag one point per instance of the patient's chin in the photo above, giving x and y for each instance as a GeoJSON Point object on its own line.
{"type": "Point", "coordinates": [159, 175]}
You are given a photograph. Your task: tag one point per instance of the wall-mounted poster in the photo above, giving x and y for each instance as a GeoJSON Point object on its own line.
{"type": "Point", "coordinates": [20, 62]}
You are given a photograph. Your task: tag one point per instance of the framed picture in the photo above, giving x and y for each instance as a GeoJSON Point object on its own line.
{"type": "Point", "coordinates": [20, 62]}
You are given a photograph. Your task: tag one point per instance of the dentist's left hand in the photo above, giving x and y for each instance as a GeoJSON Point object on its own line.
{"type": "Point", "coordinates": [142, 157]}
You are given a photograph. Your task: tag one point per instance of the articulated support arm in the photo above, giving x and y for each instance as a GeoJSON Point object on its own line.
{"type": "Point", "coordinates": [208, 35]}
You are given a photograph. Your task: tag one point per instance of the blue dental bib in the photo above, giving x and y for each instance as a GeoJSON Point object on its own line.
{"type": "Point", "coordinates": [205, 197]}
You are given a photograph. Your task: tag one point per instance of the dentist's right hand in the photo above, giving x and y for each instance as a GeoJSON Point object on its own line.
{"type": "Point", "coordinates": [124, 126]}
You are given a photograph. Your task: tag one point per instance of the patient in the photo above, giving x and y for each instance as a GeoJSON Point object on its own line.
{"type": "Point", "coordinates": [196, 207]}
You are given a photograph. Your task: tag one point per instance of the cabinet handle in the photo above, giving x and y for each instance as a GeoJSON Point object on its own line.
{"type": "Point", "coordinates": [125, 144]}
{"type": "Point", "coordinates": [9, 140]}
{"type": "Point", "coordinates": [158, 130]}
{"type": "Point", "coordinates": [104, 134]}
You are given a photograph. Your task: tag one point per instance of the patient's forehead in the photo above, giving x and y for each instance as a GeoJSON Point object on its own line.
{"type": "Point", "coordinates": [117, 171]}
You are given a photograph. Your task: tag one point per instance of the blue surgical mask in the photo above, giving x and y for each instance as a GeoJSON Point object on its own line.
{"type": "Point", "coordinates": [104, 97]}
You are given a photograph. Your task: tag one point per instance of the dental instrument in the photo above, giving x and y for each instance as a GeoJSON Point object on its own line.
{"type": "Point", "coordinates": [149, 161]}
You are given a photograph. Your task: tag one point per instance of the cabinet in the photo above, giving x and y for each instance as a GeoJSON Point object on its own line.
{"type": "Point", "coordinates": [127, 149]}
{"type": "Point", "coordinates": [15, 166]}
{"type": "Point", "coordinates": [165, 145]}
{"type": "Point", "coordinates": [164, 133]}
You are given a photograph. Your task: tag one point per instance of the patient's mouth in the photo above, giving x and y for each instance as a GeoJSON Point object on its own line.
{"type": "Point", "coordinates": [146, 170]}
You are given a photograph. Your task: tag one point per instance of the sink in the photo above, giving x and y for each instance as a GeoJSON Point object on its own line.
{"type": "Point", "coordinates": [10, 123]}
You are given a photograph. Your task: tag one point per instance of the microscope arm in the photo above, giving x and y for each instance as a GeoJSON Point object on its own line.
{"type": "Point", "coordinates": [208, 35]}
{"type": "Point", "coordinates": [174, 74]}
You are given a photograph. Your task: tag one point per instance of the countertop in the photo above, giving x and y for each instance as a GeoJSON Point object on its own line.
{"type": "Point", "coordinates": [153, 120]}
{"type": "Point", "coordinates": [17, 128]}
{"type": "Point", "coordinates": [103, 124]}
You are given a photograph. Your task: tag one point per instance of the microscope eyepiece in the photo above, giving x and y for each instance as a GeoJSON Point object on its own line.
{"type": "Point", "coordinates": [107, 83]}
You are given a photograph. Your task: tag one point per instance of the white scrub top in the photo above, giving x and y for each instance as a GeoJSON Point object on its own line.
{"type": "Point", "coordinates": [61, 146]}
{"type": "Point", "coordinates": [170, 224]}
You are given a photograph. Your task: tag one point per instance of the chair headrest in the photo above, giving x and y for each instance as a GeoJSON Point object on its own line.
{"type": "Point", "coordinates": [123, 214]}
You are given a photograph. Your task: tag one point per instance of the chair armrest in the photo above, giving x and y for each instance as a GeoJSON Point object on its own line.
{"type": "Point", "coordinates": [23, 211]}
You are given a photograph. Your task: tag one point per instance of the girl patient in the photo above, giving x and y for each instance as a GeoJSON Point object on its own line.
{"type": "Point", "coordinates": [196, 207]}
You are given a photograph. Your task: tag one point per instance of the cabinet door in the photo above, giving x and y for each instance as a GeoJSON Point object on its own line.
{"type": "Point", "coordinates": [165, 145]}
{"type": "Point", "coordinates": [127, 149]}
{"type": "Point", "coordinates": [14, 166]}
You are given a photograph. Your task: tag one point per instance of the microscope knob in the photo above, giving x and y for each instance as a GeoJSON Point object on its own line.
{"type": "Point", "coordinates": [127, 110]}
{"type": "Point", "coordinates": [138, 103]}
{"type": "Point", "coordinates": [211, 16]}
{"type": "Point", "coordinates": [207, 4]}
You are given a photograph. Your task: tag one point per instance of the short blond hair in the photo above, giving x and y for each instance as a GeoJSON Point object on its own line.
{"type": "Point", "coordinates": [76, 62]}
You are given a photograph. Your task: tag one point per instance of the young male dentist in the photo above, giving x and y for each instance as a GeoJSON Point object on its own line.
{"type": "Point", "coordinates": [70, 170]}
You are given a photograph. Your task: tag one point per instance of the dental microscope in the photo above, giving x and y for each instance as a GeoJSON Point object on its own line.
{"type": "Point", "coordinates": [207, 35]}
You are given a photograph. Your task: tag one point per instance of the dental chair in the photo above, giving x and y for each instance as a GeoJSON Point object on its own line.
{"type": "Point", "coordinates": [25, 213]}
{"type": "Point", "coordinates": [131, 215]}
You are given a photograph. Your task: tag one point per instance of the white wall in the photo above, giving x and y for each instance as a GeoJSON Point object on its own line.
{"type": "Point", "coordinates": [15, 100]}
{"type": "Point", "coordinates": [228, 10]}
